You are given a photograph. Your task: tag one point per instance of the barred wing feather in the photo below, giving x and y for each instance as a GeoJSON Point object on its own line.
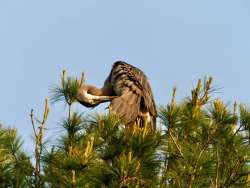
{"type": "Point", "coordinates": [134, 91]}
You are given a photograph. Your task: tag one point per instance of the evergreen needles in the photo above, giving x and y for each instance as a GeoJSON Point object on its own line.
{"type": "Point", "coordinates": [202, 143]}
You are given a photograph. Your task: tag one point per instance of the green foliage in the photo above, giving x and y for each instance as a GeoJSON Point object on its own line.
{"type": "Point", "coordinates": [130, 157]}
{"type": "Point", "coordinates": [206, 142]}
{"type": "Point", "coordinates": [68, 89]}
{"type": "Point", "coordinates": [15, 166]}
{"type": "Point", "coordinates": [202, 143]}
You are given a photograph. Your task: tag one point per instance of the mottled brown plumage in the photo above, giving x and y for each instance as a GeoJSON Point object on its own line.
{"type": "Point", "coordinates": [130, 94]}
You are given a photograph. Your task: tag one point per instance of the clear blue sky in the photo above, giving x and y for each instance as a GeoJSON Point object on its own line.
{"type": "Point", "coordinates": [173, 42]}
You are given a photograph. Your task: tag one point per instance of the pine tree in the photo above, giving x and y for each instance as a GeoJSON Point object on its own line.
{"type": "Point", "coordinates": [15, 166]}
{"type": "Point", "coordinates": [206, 143]}
{"type": "Point", "coordinates": [199, 142]}
{"type": "Point", "coordinates": [100, 151]}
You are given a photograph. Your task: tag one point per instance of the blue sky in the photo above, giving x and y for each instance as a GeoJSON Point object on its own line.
{"type": "Point", "coordinates": [173, 42]}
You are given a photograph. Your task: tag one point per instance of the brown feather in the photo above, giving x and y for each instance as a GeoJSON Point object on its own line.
{"type": "Point", "coordinates": [125, 108]}
{"type": "Point", "coordinates": [133, 90]}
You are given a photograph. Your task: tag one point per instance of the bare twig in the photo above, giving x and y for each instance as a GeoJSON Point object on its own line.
{"type": "Point", "coordinates": [176, 144]}
{"type": "Point", "coordinates": [39, 141]}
